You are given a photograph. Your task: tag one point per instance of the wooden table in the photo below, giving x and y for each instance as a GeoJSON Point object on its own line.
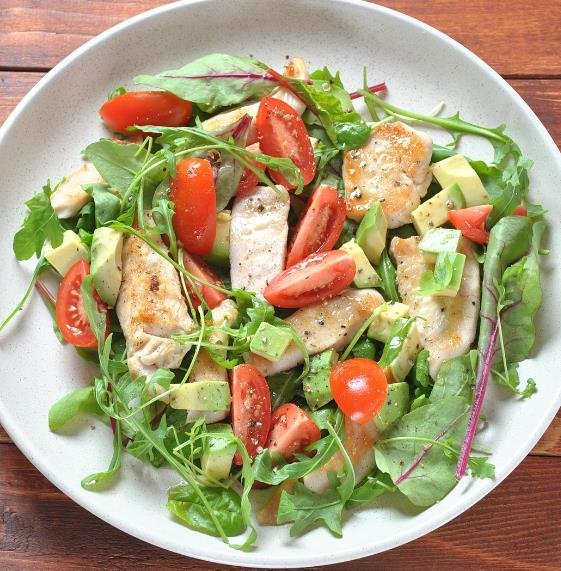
{"type": "Point", "coordinates": [516, 527]}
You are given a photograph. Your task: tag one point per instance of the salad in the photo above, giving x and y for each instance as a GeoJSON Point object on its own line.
{"type": "Point", "coordinates": [295, 307]}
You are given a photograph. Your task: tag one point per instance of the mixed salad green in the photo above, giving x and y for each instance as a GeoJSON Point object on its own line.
{"type": "Point", "coordinates": [355, 364]}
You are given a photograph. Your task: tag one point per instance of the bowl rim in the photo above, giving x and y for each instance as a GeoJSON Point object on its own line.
{"type": "Point", "coordinates": [237, 559]}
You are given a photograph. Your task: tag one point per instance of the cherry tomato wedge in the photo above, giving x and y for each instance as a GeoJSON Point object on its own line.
{"type": "Point", "coordinates": [291, 431]}
{"type": "Point", "coordinates": [320, 225]}
{"type": "Point", "coordinates": [192, 191]}
{"type": "Point", "coordinates": [471, 222]}
{"type": "Point", "coordinates": [251, 409]}
{"type": "Point", "coordinates": [71, 317]}
{"type": "Point", "coordinates": [315, 278]}
{"type": "Point", "coordinates": [359, 388]}
{"type": "Point", "coordinates": [282, 133]}
{"type": "Point", "coordinates": [520, 210]}
{"type": "Point", "coordinates": [200, 269]}
{"type": "Point", "coordinates": [145, 108]}
{"type": "Point", "coordinates": [249, 179]}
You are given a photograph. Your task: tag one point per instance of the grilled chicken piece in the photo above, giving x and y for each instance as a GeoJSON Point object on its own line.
{"type": "Point", "coordinates": [69, 198]}
{"type": "Point", "coordinates": [205, 369]}
{"type": "Point", "coordinates": [258, 235]}
{"type": "Point", "coordinates": [150, 308]}
{"type": "Point", "coordinates": [392, 168]}
{"type": "Point", "coordinates": [224, 122]}
{"type": "Point", "coordinates": [331, 323]}
{"type": "Point", "coordinates": [449, 324]}
{"type": "Point", "coordinates": [359, 443]}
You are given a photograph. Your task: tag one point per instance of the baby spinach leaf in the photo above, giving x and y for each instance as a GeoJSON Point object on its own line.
{"type": "Point", "coordinates": [410, 454]}
{"type": "Point", "coordinates": [119, 163]}
{"type": "Point", "coordinates": [99, 480]}
{"type": "Point", "coordinates": [327, 98]}
{"type": "Point", "coordinates": [40, 224]}
{"type": "Point", "coordinates": [456, 377]}
{"type": "Point", "coordinates": [421, 369]}
{"type": "Point", "coordinates": [71, 405]}
{"type": "Point", "coordinates": [187, 505]}
{"type": "Point", "coordinates": [365, 348]}
{"type": "Point", "coordinates": [386, 270]}
{"type": "Point", "coordinates": [106, 205]}
{"type": "Point", "coordinates": [215, 80]}
{"type": "Point", "coordinates": [283, 387]}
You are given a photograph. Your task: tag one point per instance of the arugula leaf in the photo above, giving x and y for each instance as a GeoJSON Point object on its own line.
{"type": "Point", "coordinates": [410, 454]}
{"type": "Point", "coordinates": [365, 348]}
{"type": "Point", "coordinates": [327, 98]}
{"type": "Point", "coordinates": [72, 404]}
{"type": "Point", "coordinates": [265, 471]}
{"type": "Point", "coordinates": [421, 369]}
{"type": "Point", "coordinates": [215, 80]}
{"type": "Point", "coordinates": [40, 224]}
{"type": "Point", "coordinates": [510, 379]}
{"type": "Point", "coordinates": [96, 318]}
{"type": "Point", "coordinates": [371, 488]}
{"type": "Point", "coordinates": [396, 339]}
{"type": "Point", "coordinates": [283, 387]}
{"type": "Point", "coordinates": [144, 449]}
{"type": "Point", "coordinates": [447, 271]}
{"type": "Point", "coordinates": [162, 214]}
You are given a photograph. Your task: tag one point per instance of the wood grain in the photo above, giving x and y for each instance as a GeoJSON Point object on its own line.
{"type": "Point", "coordinates": [510, 36]}
{"type": "Point", "coordinates": [40, 528]}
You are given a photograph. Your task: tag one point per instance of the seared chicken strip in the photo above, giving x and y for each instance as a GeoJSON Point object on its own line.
{"type": "Point", "coordinates": [69, 198]}
{"type": "Point", "coordinates": [329, 324]}
{"type": "Point", "coordinates": [359, 443]}
{"type": "Point", "coordinates": [448, 325]}
{"type": "Point", "coordinates": [392, 168]}
{"type": "Point", "coordinates": [150, 308]}
{"type": "Point", "coordinates": [224, 122]}
{"type": "Point", "coordinates": [258, 235]}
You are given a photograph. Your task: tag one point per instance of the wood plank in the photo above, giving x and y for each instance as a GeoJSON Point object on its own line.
{"type": "Point", "coordinates": [511, 39]}
{"type": "Point", "coordinates": [13, 86]}
{"type": "Point", "coordinates": [40, 528]}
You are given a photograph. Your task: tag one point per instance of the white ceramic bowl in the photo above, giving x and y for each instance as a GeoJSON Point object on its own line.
{"type": "Point", "coordinates": [42, 139]}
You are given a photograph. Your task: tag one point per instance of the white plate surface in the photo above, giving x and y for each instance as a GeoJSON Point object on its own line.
{"type": "Point", "coordinates": [42, 139]}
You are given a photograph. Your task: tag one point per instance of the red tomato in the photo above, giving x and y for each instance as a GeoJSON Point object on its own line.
{"type": "Point", "coordinates": [145, 108]}
{"type": "Point", "coordinates": [359, 388]}
{"type": "Point", "coordinates": [520, 210]}
{"type": "Point", "coordinates": [192, 191]}
{"type": "Point", "coordinates": [471, 222]}
{"type": "Point", "coordinates": [71, 317]}
{"type": "Point", "coordinates": [291, 431]}
{"type": "Point", "coordinates": [320, 225]}
{"type": "Point", "coordinates": [315, 278]}
{"type": "Point", "coordinates": [282, 133]}
{"type": "Point", "coordinates": [200, 269]}
{"type": "Point", "coordinates": [251, 409]}
{"type": "Point", "coordinates": [249, 179]}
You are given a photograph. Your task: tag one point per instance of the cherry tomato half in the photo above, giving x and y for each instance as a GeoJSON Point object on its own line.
{"type": "Point", "coordinates": [520, 210]}
{"type": "Point", "coordinates": [320, 225]}
{"type": "Point", "coordinates": [471, 222]}
{"type": "Point", "coordinates": [282, 133]}
{"type": "Point", "coordinates": [192, 191]}
{"type": "Point", "coordinates": [315, 278]}
{"type": "Point", "coordinates": [359, 388]}
{"type": "Point", "coordinates": [200, 269]}
{"type": "Point", "coordinates": [251, 409]}
{"type": "Point", "coordinates": [291, 431]}
{"type": "Point", "coordinates": [145, 108]}
{"type": "Point", "coordinates": [71, 317]}
{"type": "Point", "coordinates": [249, 179]}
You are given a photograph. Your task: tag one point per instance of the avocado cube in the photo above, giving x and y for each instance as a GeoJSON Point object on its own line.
{"type": "Point", "coordinates": [401, 349]}
{"type": "Point", "coordinates": [106, 268]}
{"type": "Point", "coordinates": [457, 170]}
{"type": "Point", "coordinates": [434, 212]}
{"type": "Point", "coordinates": [317, 389]}
{"type": "Point", "coordinates": [396, 405]}
{"type": "Point", "coordinates": [270, 342]}
{"type": "Point", "coordinates": [384, 318]}
{"type": "Point", "coordinates": [438, 240]}
{"type": "Point", "coordinates": [202, 395]}
{"type": "Point", "coordinates": [371, 233]}
{"type": "Point", "coordinates": [220, 253]}
{"type": "Point", "coordinates": [63, 257]}
{"type": "Point", "coordinates": [366, 275]}
{"type": "Point", "coordinates": [219, 450]}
